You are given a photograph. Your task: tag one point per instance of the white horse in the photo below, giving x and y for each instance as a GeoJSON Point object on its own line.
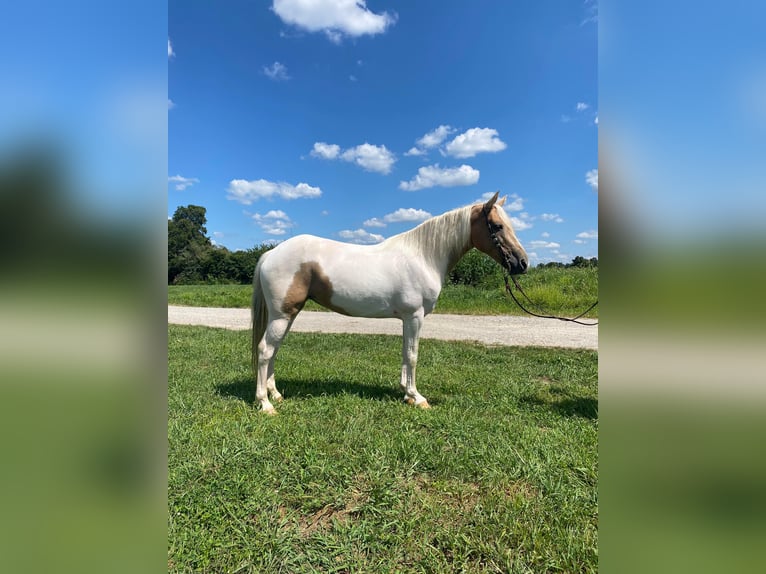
{"type": "Point", "coordinates": [400, 277]}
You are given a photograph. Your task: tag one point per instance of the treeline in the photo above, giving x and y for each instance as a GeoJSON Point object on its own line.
{"type": "Point", "coordinates": [192, 257]}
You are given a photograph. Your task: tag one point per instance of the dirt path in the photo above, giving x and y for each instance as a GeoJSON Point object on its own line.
{"type": "Point", "coordinates": [490, 330]}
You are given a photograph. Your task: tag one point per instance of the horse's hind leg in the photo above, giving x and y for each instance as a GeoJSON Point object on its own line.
{"type": "Point", "coordinates": [267, 351]}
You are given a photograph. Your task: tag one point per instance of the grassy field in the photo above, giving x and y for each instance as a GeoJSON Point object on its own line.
{"type": "Point", "coordinates": [559, 291]}
{"type": "Point", "coordinates": [499, 476]}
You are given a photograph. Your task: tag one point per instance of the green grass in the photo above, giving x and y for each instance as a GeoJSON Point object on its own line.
{"type": "Point", "coordinates": [499, 476]}
{"type": "Point", "coordinates": [558, 291]}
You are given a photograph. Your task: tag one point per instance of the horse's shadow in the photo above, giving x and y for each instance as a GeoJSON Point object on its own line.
{"type": "Point", "coordinates": [244, 389]}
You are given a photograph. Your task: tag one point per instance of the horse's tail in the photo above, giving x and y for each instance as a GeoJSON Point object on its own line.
{"type": "Point", "coordinates": [260, 313]}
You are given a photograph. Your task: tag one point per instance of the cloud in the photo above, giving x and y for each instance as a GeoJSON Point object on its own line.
{"type": "Point", "coordinates": [374, 222]}
{"type": "Point", "coordinates": [407, 214]}
{"type": "Point", "coordinates": [592, 178]}
{"type": "Point", "coordinates": [433, 175]}
{"type": "Point", "coordinates": [554, 217]}
{"type": "Point", "coordinates": [367, 156]}
{"type": "Point", "coordinates": [414, 151]}
{"type": "Point", "coordinates": [430, 140]}
{"type": "Point", "coordinates": [274, 222]}
{"type": "Point", "coordinates": [581, 106]}
{"type": "Point", "coordinates": [591, 234]}
{"type": "Point", "coordinates": [181, 182]}
{"type": "Point", "coordinates": [325, 151]}
{"type": "Point", "coordinates": [335, 18]}
{"type": "Point", "coordinates": [246, 192]}
{"type": "Point", "coordinates": [277, 72]}
{"type": "Point", "coordinates": [370, 157]}
{"type": "Point", "coordinates": [522, 222]}
{"type": "Point", "coordinates": [474, 141]}
{"type": "Point", "coordinates": [360, 236]}
{"type": "Point", "coordinates": [595, 120]}
{"type": "Point", "coordinates": [435, 137]}
{"type": "Point", "coordinates": [398, 216]}
{"type": "Point", "coordinates": [543, 244]}
{"type": "Point", "coordinates": [171, 104]}
{"type": "Point", "coordinates": [171, 53]}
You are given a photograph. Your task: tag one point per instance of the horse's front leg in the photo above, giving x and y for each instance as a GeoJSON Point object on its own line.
{"type": "Point", "coordinates": [410, 340]}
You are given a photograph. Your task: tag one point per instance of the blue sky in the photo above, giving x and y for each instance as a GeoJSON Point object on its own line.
{"type": "Point", "coordinates": [355, 121]}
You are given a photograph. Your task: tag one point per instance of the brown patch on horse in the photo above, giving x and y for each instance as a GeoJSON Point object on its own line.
{"type": "Point", "coordinates": [309, 282]}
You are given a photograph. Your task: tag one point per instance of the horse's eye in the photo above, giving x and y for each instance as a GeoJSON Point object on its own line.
{"type": "Point", "coordinates": [498, 227]}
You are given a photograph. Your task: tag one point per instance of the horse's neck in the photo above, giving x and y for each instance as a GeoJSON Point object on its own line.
{"type": "Point", "coordinates": [441, 241]}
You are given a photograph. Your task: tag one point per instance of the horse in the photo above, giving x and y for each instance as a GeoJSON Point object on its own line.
{"type": "Point", "coordinates": [400, 277]}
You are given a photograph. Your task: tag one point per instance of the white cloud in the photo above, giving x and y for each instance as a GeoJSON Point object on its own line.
{"type": "Point", "coordinates": [521, 223]}
{"type": "Point", "coordinates": [554, 217]}
{"type": "Point", "coordinates": [592, 178]}
{"type": "Point", "coordinates": [579, 241]}
{"type": "Point", "coordinates": [370, 157]}
{"type": "Point", "coordinates": [181, 182]}
{"type": "Point", "coordinates": [435, 137]}
{"type": "Point", "coordinates": [325, 151]}
{"type": "Point", "coordinates": [414, 151]}
{"type": "Point", "coordinates": [171, 53]}
{"type": "Point", "coordinates": [274, 222]}
{"type": "Point", "coordinates": [407, 214]}
{"type": "Point", "coordinates": [430, 140]}
{"type": "Point", "coordinates": [581, 106]}
{"type": "Point", "coordinates": [336, 18]}
{"type": "Point", "coordinates": [544, 244]}
{"type": "Point", "coordinates": [595, 120]}
{"type": "Point", "coordinates": [545, 234]}
{"type": "Point", "coordinates": [277, 72]}
{"type": "Point", "coordinates": [352, 77]}
{"type": "Point", "coordinates": [360, 236]}
{"type": "Point", "coordinates": [374, 222]}
{"type": "Point", "coordinates": [473, 141]}
{"type": "Point", "coordinates": [246, 192]}
{"type": "Point", "coordinates": [400, 215]}
{"type": "Point", "coordinates": [591, 234]}
{"type": "Point", "coordinates": [433, 175]}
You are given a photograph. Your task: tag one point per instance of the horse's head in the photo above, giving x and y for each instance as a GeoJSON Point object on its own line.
{"type": "Point", "coordinates": [492, 233]}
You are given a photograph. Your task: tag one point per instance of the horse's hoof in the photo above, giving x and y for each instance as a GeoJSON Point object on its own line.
{"type": "Point", "coordinates": [423, 405]}
{"type": "Point", "coordinates": [278, 399]}
{"type": "Point", "coordinates": [271, 412]}
{"type": "Point", "coordinates": [409, 400]}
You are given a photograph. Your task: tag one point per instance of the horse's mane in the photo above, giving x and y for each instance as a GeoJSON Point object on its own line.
{"type": "Point", "coordinates": [441, 240]}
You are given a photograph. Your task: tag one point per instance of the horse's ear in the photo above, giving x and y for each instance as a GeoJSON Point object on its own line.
{"type": "Point", "coordinates": [491, 202]}
{"type": "Point", "coordinates": [501, 201]}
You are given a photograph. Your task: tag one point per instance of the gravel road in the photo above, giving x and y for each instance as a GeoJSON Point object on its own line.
{"type": "Point", "coordinates": [490, 330]}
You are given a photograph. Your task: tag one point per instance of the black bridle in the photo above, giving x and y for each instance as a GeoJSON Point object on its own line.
{"type": "Point", "coordinates": [493, 229]}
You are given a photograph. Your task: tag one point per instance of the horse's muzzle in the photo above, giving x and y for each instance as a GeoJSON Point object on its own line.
{"type": "Point", "coordinates": [516, 265]}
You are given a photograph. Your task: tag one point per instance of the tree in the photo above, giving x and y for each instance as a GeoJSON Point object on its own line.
{"type": "Point", "coordinates": [188, 244]}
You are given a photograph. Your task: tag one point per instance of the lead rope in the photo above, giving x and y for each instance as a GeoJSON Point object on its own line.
{"type": "Point", "coordinates": [542, 315]}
